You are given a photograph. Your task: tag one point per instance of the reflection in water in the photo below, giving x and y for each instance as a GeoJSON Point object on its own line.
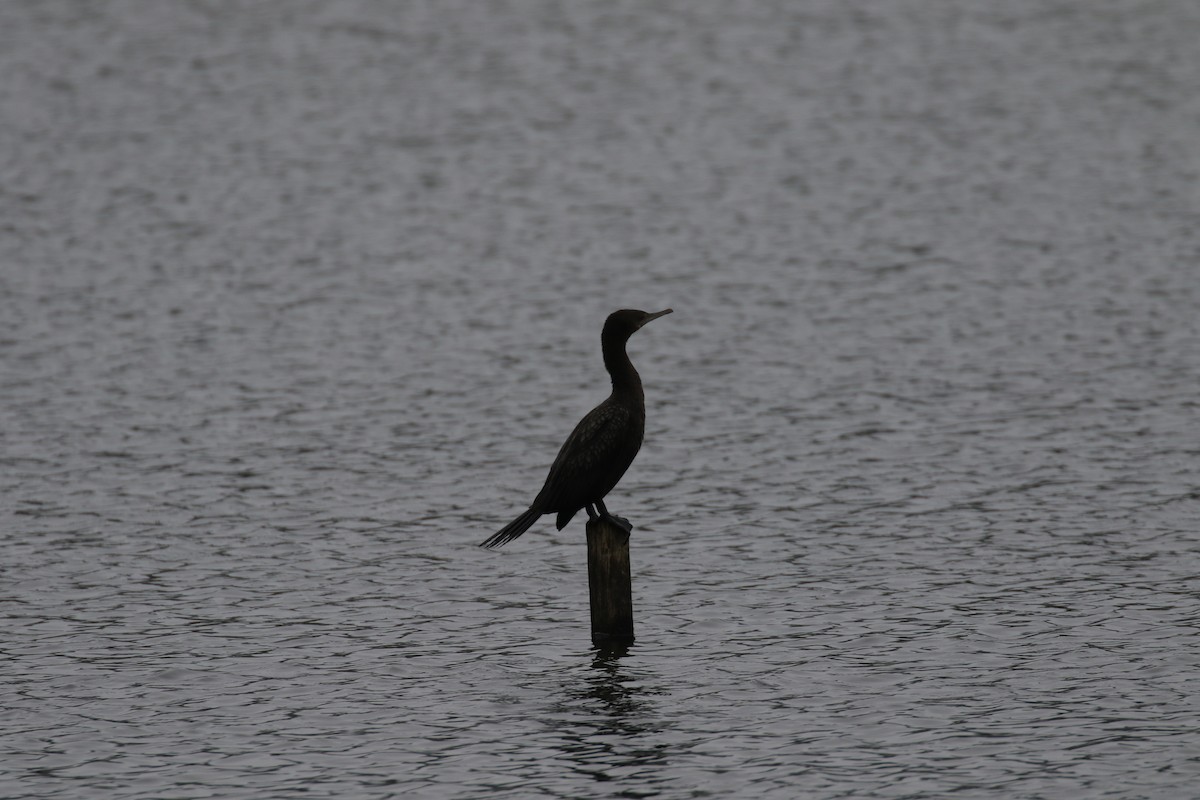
{"type": "Point", "coordinates": [619, 697]}
{"type": "Point", "coordinates": [608, 723]}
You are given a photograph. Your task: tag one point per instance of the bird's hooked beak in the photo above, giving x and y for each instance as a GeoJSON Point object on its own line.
{"type": "Point", "coordinates": [655, 315]}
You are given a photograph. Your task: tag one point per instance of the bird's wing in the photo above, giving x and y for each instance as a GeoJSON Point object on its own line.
{"type": "Point", "coordinates": [589, 447]}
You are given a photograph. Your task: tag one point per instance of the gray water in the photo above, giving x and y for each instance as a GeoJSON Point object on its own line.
{"type": "Point", "coordinates": [298, 299]}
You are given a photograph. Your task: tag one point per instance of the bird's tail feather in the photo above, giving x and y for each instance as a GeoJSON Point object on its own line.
{"type": "Point", "coordinates": [513, 529]}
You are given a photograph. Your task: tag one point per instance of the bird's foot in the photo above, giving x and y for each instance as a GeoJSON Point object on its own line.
{"type": "Point", "coordinates": [620, 522]}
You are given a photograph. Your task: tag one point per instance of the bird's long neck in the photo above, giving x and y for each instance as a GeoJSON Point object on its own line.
{"type": "Point", "coordinates": [625, 379]}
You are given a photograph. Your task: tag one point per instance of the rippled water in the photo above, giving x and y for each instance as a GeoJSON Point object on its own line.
{"type": "Point", "coordinates": [297, 301]}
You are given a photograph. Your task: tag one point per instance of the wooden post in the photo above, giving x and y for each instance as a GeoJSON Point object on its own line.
{"type": "Point", "coordinates": [609, 584]}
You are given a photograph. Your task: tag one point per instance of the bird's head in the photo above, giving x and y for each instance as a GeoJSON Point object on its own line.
{"type": "Point", "coordinates": [627, 321]}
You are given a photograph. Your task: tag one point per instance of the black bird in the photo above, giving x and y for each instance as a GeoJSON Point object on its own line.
{"type": "Point", "coordinates": [603, 444]}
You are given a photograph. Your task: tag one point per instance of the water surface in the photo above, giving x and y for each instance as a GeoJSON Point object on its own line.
{"type": "Point", "coordinates": [297, 301]}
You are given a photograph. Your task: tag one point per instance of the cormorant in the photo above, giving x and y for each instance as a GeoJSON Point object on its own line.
{"type": "Point", "coordinates": [603, 444]}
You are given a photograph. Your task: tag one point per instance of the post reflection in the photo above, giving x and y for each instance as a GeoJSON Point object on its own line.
{"type": "Point", "coordinates": [608, 720]}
